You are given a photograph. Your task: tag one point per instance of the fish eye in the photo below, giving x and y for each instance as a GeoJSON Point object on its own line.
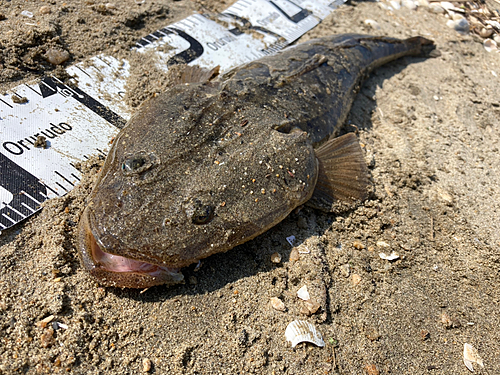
{"type": "Point", "coordinates": [134, 164]}
{"type": "Point", "coordinates": [202, 214]}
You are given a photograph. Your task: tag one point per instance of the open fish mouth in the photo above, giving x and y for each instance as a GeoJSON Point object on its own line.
{"type": "Point", "coordinates": [119, 271]}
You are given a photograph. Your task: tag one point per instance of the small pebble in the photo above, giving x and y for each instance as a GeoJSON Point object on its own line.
{"type": "Point", "coordinates": [294, 255]}
{"type": "Point", "coordinates": [461, 25]}
{"type": "Point", "coordinates": [423, 3]}
{"type": "Point", "coordinates": [277, 304]}
{"type": "Point", "coordinates": [358, 245]}
{"type": "Point", "coordinates": [355, 279]}
{"type": "Point", "coordinates": [44, 10]}
{"type": "Point", "coordinates": [56, 56]}
{"type": "Point", "coordinates": [372, 23]}
{"type": "Point", "coordinates": [371, 369]}
{"type": "Point", "coordinates": [146, 365]}
{"type": "Point", "coordinates": [47, 338]}
{"type": "Point", "coordinates": [312, 307]}
{"type": "Point", "coordinates": [345, 270]}
{"type": "Point", "coordinates": [496, 38]}
{"type": "Point", "coordinates": [276, 258]}
{"type": "Point", "coordinates": [110, 6]}
{"type": "Point", "coordinates": [410, 4]}
{"type": "Point", "coordinates": [19, 100]}
{"type": "Point", "coordinates": [2, 17]}
{"type": "Point", "coordinates": [450, 322]}
{"type": "Point", "coordinates": [445, 197]}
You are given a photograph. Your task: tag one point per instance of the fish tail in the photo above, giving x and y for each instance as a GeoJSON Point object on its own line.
{"type": "Point", "coordinates": [422, 47]}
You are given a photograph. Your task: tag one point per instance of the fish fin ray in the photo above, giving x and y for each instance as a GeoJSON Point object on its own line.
{"type": "Point", "coordinates": [343, 177]}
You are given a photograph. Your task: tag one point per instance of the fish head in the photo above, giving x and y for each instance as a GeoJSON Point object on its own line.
{"type": "Point", "coordinates": [173, 191]}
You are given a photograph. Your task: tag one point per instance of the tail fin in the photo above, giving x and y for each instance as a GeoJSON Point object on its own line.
{"type": "Point", "coordinates": [423, 47]}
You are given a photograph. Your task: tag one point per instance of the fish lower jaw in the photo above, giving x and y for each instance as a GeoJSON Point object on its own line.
{"type": "Point", "coordinates": [119, 271]}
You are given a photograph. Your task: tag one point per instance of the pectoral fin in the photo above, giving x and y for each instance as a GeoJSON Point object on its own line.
{"type": "Point", "coordinates": [343, 179]}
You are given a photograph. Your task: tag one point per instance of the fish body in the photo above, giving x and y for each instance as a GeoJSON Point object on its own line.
{"type": "Point", "coordinates": [206, 166]}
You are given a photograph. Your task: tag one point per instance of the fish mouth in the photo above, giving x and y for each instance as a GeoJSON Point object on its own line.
{"type": "Point", "coordinates": [116, 270]}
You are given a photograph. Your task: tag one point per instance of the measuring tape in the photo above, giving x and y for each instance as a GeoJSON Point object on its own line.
{"type": "Point", "coordinates": [80, 119]}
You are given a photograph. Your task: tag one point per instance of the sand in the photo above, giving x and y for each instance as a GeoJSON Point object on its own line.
{"type": "Point", "coordinates": [431, 132]}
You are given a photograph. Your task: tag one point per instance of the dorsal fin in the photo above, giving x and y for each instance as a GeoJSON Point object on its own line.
{"type": "Point", "coordinates": [179, 74]}
{"type": "Point", "coordinates": [343, 177]}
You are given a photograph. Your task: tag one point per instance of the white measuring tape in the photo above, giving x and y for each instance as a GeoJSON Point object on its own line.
{"type": "Point", "coordinates": [80, 120]}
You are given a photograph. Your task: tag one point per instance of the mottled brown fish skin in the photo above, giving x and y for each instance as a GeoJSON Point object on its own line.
{"type": "Point", "coordinates": [205, 167]}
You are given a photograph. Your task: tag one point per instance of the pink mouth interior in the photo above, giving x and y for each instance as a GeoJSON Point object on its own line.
{"type": "Point", "coordinates": [117, 263]}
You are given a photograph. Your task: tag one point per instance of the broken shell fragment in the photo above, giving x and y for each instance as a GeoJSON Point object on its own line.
{"type": "Point", "coordinates": [301, 331]}
{"type": "Point", "coordinates": [277, 304]}
{"type": "Point", "coordinates": [303, 294]}
{"type": "Point", "coordinates": [392, 256]}
{"type": "Point", "coordinates": [471, 356]}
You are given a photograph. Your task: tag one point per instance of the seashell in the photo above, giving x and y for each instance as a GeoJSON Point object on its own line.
{"type": "Point", "coordinates": [392, 256]}
{"type": "Point", "coordinates": [301, 331]}
{"type": "Point", "coordinates": [303, 294]}
{"type": "Point", "coordinates": [490, 45]}
{"type": "Point", "coordinates": [470, 356]}
{"type": "Point", "coordinates": [486, 32]}
{"type": "Point", "coordinates": [277, 304]}
{"type": "Point", "coordinates": [496, 38]}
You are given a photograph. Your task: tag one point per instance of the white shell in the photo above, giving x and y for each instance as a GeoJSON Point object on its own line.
{"type": "Point", "coordinates": [490, 45]}
{"type": "Point", "coordinates": [303, 294]}
{"type": "Point", "coordinates": [301, 331]}
{"type": "Point", "coordinates": [392, 256]}
{"type": "Point", "coordinates": [471, 356]}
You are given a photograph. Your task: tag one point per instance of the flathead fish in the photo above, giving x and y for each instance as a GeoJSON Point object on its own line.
{"type": "Point", "coordinates": [213, 162]}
